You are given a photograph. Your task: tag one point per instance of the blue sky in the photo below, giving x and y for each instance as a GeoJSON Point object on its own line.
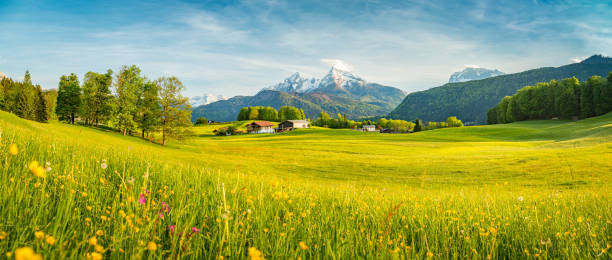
{"type": "Point", "coordinates": [239, 47]}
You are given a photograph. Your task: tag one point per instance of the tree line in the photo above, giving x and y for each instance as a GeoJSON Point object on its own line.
{"type": "Point", "coordinates": [127, 102]}
{"type": "Point", "coordinates": [565, 98]}
{"type": "Point", "coordinates": [395, 125]}
{"type": "Point", "coordinates": [27, 100]}
{"type": "Point", "coordinates": [271, 114]}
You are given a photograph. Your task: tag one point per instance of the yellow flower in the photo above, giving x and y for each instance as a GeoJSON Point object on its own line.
{"type": "Point", "coordinates": [50, 240]}
{"type": "Point", "coordinates": [3, 235]}
{"type": "Point", "coordinates": [96, 256]}
{"type": "Point", "coordinates": [255, 254]}
{"type": "Point", "coordinates": [100, 233]}
{"type": "Point", "coordinates": [99, 248]}
{"type": "Point", "coordinates": [37, 170]}
{"type": "Point", "coordinates": [152, 246]}
{"type": "Point", "coordinates": [26, 253]}
{"type": "Point", "coordinates": [579, 220]}
{"type": "Point", "coordinates": [13, 150]}
{"type": "Point", "coordinates": [430, 254]}
{"type": "Point", "coordinates": [93, 241]}
{"type": "Point", "coordinates": [39, 234]}
{"type": "Point", "coordinates": [303, 245]}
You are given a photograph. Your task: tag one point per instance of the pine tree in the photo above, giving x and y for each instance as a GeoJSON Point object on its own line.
{"type": "Point", "coordinates": [41, 107]}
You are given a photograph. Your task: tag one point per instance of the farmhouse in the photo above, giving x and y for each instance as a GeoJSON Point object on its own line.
{"type": "Point", "coordinates": [292, 124]}
{"type": "Point", "coordinates": [369, 128]}
{"type": "Point", "coordinates": [260, 127]}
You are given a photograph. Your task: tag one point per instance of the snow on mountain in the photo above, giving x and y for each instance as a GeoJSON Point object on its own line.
{"type": "Point", "coordinates": [335, 78]}
{"type": "Point", "coordinates": [473, 73]}
{"type": "Point", "coordinates": [295, 83]}
{"type": "Point", "coordinates": [205, 99]}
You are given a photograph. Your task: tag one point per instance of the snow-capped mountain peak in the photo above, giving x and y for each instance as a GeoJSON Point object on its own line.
{"type": "Point", "coordinates": [473, 73]}
{"type": "Point", "coordinates": [295, 83]}
{"type": "Point", "coordinates": [205, 99]}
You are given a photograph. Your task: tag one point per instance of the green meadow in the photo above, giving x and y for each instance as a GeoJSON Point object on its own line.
{"type": "Point", "coordinates": [533, 189]}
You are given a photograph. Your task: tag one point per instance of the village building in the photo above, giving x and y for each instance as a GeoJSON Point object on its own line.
{"type": "Point", "coordinates": [260, 127]}
{"type": "Point", "coordinates": [292, 124]}
{"type": "Point", "coordinates": [369, 128]}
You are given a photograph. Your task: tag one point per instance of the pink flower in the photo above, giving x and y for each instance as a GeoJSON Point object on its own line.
{"type": "Point", "coordinates": [195, 230]}
{"type": "Point", "coordinates": [165, 207]}
{"type": "Point", "coordinates": [161, 215]}
{"type": "Point", "coordinates": [171, 228]}
{"type": "Point", "coordinates": [142, 199]}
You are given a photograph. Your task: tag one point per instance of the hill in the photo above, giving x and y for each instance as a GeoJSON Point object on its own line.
{"type": "Point", "coordinates": [112, 196]}
{"type": "Point", "coordinates": [471, 100]}
{"type": "Point", "coordinates": [338, 92]}
{"type": "Point", "coordinates": [473, 73]}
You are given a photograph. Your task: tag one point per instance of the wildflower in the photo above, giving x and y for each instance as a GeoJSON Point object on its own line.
{"type": "Point", "coordinates": [96, 256]}
{"type": "Point", "coordinates": [39, 235]}
{"type": "Point", "coordinates": [99, 248]}
{"type": "Point", "coordinates": [171, 228]}
{"type": "Point", "coordinates": [13, 150]}
{"type": "Point", "coordinates": [93, 241]}
{"type": "Point", "coordinates": [266, 230]}
{"type": "Point", "coordinates": [579, 220]}
{"type": "Point", "coordinates": [165, 207]}
{"type": "Point", "coordinates": [37, 170]}
{"type": "Point", "coordinates": [26, 253]}
{"type": "Point", "coordinates": [100, 233]}
{"type": "Point", "coordinates": [430, 254]}
{"type": "Point", "coordinates": [195, 230]}
{"type": "Point", "coordinates": [152, 246]}
{"type": "Point", "coordinates": [303, 245]}
{"type": "Point", "coordinates": [131, 180]}
{"type": "Point", "coordinates": [3, 235]}
{"type": "Point", "coordinates": [142, 200]}
{"type": "Point", "coordinates": [255, 254]}
{"type": "Point", "coordinates": [520, 198]}
{"type": "Point", "coordinates": [50, 240]}
{"type": "Point", "coordinates": [47, 166]}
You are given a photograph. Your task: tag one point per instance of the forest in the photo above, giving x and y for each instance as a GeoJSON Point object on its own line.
{"type": "Point", "coordinates": [270, 113]}
{"type": "Point", "coordinates": [126, 102]}
{"type": "Point", "coordinates": [470, 100]}
{"type": "Point", "coordinates": [567, 98]}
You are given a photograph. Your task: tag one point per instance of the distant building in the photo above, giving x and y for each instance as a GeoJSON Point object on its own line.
{"type": "Point", "coordinates": [293, 124]}
{"type": "Point", "coordinates": [369, 128]}
{"type": "Point", "coordinates": [260, 127]}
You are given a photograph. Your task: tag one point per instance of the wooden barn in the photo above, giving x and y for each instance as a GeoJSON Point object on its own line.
{"type": "Point", "coordinates": [260, 127]}
{"type": "Point", "coordinates": [293, 124]}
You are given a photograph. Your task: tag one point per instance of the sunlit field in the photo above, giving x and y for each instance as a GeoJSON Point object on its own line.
{"type": "Point", "coordinates": [537, 189]}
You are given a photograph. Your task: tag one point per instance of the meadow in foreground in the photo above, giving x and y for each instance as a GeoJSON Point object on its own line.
{"type": "Point", "coordinates": [524, 190]}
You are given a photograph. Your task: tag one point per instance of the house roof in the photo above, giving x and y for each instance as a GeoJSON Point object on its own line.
{"type": "Point", "coordinates": [262, 123]}
{"type": "Point", "coordinates": [298, 121]}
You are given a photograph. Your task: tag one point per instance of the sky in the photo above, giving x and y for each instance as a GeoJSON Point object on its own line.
{"type": "Point", "coordinates": [239, 47]}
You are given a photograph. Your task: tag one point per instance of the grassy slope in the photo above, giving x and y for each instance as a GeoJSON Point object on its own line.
{"type": "Point", "coordinates": [534, 153]}
{"type": "Point", "coordinates": [448, 192]}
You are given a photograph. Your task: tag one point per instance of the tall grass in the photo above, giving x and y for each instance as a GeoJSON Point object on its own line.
{"type": "Point", "coordinates": [118, 195]}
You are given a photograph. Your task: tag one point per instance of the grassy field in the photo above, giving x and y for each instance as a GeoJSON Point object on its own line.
{"type": "Point", "coordinates": [538, 189]}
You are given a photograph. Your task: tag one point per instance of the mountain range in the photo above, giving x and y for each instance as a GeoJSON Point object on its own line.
{"type": "Point", "coordinates": [471, 100]}
{"type": "Point", "coordinates": [473, 73]}
{"type": "Point", "coordinates": [339, 91]}
{"type": "Point", "coordinates": [205, 99]}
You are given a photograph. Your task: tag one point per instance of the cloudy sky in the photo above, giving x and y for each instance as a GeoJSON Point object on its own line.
{"type": "Point", "coordinates": [239, 47]}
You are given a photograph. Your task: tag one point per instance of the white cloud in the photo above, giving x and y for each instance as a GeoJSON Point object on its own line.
{"type": "Point", "coordinates": [338, 64]}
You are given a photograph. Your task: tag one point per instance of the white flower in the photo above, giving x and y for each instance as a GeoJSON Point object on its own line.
{"type": "Point", "coordinates": [520, 198]}
{"type": "Point", "coordinates": [103, 165]}
{"type": "Point", "coordinates": [131, 180]}
{"type": "Point", "coordinates": [47, 166]}
{"type": "Point", "coordinates": [249, 211]}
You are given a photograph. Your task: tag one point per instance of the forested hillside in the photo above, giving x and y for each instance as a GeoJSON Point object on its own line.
{"type": "Point", "coordinates": [311, 103]}
{"type": "Point", "coordinates": [566, 99]}
{"type": "Point", "coordinates": [471, 100]}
